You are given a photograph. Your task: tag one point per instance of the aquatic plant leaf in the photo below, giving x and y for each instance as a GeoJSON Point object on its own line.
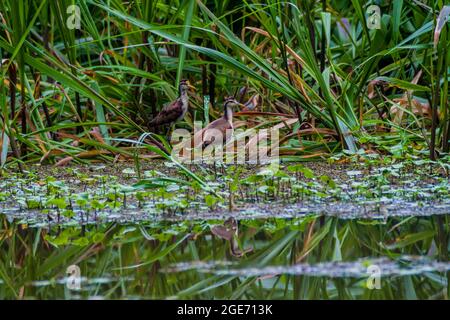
{"type": "Point", "coordinates": [402, 84]}
{"type": "Point", "coordinates": [159, 254]}
{"type": "Point", "coordinates": [412, 238]}
{"type": "Point", "coordinates": [4, 146]}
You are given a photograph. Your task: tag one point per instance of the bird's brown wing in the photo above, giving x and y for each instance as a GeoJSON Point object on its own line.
{"type": "Point", "coordinates": [168, 114]}
{"type": "Point", "coordinates": [219, 133]}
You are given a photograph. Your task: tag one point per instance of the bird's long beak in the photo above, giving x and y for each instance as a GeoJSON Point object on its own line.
{"type": "Point", "coordinates": [237, 103]}
{"type": "Point", "coordinates": [240, 104]}
{"type": "Point", "coordinates": [190, 86]}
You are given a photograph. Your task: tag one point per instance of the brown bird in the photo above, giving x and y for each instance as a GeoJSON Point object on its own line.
{"type": "Point", "coordinates": [222, 127]}
{"type": "Point", "coordinates": [175, 111]}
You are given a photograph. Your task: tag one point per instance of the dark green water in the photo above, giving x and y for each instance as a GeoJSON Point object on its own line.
{"type": "Point", "coordinates": [310, 257]}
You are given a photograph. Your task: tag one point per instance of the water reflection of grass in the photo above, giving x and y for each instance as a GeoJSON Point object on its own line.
{"type": "Point", "coordinates": [130, 259]}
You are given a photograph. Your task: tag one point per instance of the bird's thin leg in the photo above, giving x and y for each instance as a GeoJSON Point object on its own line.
{"type": "Point", "coordinates": [224, 168]}
{"type": "Point", "coordinates": [169, 130]}
{"type": "Point", "coordinates": [215, 170]}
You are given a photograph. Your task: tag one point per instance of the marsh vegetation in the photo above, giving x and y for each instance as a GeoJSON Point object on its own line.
{"type": "Point", "coordinates": [87, 181]}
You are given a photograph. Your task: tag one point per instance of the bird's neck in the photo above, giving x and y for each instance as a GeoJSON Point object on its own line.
{"type": "Point", "coordinates": [184, 98]}
{"type": "Point", "coordinates": [183, 92]}
{"type": "Point", "coordinates": [228, 114]}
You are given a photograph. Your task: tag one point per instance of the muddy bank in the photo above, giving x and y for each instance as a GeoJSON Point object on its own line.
{"type": "Point", "coordinates": [117, 193]}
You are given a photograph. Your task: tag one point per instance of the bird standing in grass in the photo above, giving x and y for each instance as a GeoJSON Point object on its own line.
{"type": "Point", "coordinates": [217, 134]}
{"type": "Point", "coordinates": [222, 127]}
{"type": "Point", "coordinates": [175, 111]}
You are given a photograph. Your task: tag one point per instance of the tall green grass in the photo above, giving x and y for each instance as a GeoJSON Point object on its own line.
{"type": "Point", "coordinates": [379, 90]}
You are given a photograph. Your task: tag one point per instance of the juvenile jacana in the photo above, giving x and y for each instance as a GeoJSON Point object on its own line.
{"type": "Point", "coordinates": [222, 127]}
{"type": "Point", "coordinates": [175, 111]}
